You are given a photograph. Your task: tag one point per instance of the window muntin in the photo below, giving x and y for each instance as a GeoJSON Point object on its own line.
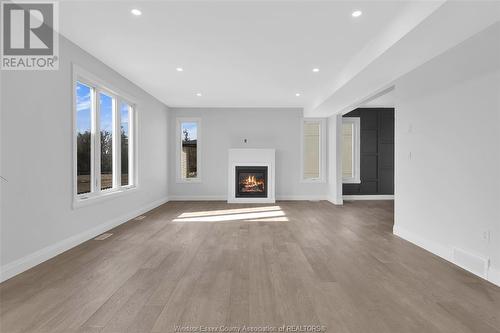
{"type": "Point", "coordinates": [351, 150]}
{"type": "Point", "coordinates": [84, 106]}
{"type": "Point", "coordinates": [104, 128]}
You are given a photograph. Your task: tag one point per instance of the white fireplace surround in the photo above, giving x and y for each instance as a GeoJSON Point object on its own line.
{"type": "Point", "coordinates": [251, 157]}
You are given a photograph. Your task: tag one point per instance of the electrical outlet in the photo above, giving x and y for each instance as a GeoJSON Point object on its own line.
{"type": "Point", "coordinates": [486, 236]}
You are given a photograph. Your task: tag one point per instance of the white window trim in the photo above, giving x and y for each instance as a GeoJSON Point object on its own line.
{"type": "Point", "coordinates": [178, 150]}
{"type": "Point", "coordinates": [356, 149]}
{"type": "Point", "coordinates": [96, 195]}
{"type": "Point", "coordinates": [322, 150]}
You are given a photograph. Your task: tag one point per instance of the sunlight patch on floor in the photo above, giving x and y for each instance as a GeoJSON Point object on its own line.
{"type": "Point", "coordinates": [254, 214]}
{"type": "Point", "coordinates": [230, 211]}
{"type": "Point", "coordinates": [270, 219]}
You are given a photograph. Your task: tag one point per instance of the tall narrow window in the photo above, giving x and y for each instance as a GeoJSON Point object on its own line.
{"type": "Point", "coordinates": [104, 141]}
{"type": "Point", "coordinates": [124, 143]}
{"type": "Point", "coordinates": [189, 153]}
{"type": "Point", "coordinates": [350, 150]}
{"type": "Point", "coordinates": [188, 149]}
{"type": "Point", "coordinates": [347, 150]}
{"type": "Point", "coordinates": [313, 150]}
{"type": "Point", "coordinates": [106, 127]}
{"type": "Point", "coordinates": [84, 101]}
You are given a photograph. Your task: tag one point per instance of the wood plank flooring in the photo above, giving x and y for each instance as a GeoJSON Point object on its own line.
{"type": "Point", "coordinates": [212, 264]}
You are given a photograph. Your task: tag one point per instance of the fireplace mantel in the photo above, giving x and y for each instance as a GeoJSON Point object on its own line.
{"type": "Point", "coordinates": [251, 157]}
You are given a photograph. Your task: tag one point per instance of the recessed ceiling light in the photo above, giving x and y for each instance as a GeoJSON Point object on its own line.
{"type": "Point", "coordinates": [315, 70]}
{"type": "Point", "coordinates": [297, 94]}
{"type": "Point", "coordinates": [179, 69]}
{"type": "Point", "coordinates": [198, 94]}
{"type": "Point", "coordinates": [136, 12]}
{"type": "Point", "coordinates": [356, 13]}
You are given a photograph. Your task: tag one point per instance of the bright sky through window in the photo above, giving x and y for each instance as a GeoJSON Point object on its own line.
{"type": "Point", "coordinates": [124, 118]}
{"type": "Point", "coordinates": [191, 129]}
{"type": "Point", "coordinates": [106, 113]}
{"type": "Point", "coordinates": [83, 101]}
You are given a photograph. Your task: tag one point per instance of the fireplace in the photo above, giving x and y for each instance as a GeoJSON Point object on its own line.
{"type": "Point", "coordinates": [251, 181]}
{"type": "Point", "coordinates": [256, 162]}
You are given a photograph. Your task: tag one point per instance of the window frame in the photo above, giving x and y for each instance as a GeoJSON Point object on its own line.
{"type": "Point", "coordinates": [356, 149]}
{"type": "Point", "coordinates": [178, 149]}
{"type": "Point", "coordinates": [98, 86]}
{"type": "Point", "coordinates": [322, 150]}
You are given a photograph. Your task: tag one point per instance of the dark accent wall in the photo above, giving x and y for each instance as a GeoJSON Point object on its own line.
{"type": "Point", "coordinates": [377, 152]}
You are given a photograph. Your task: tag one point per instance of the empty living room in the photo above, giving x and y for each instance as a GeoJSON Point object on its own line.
{"type": "Point", "coordinates": [178, 166]}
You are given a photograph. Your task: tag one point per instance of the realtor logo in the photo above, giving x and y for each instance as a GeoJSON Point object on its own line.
{"type": "Point", "coordinates": [29, 35]}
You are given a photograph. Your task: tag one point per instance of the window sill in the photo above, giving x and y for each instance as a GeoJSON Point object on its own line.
{"type": "Point", "coordinates": [188, 181]}
{"type": "Point", "coordinates": [79, 202]}
{"type": "Point", "coordinates": [313, 180]}
{"type": "Point", "coordinates": [351, 181]}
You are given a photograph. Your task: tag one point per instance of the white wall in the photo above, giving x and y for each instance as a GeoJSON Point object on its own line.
{"type": "Point", "coordinates": [335, 159]}
{"type": "Point", "coordinates": [448, 119]}
{"type": "Point", "coordinates": [224, 128]}
{"type": "Point", "coordinates": [37, 218]}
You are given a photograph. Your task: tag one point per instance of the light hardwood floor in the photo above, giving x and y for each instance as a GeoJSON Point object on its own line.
{"type": "Point", "coordinates": [293, 263]}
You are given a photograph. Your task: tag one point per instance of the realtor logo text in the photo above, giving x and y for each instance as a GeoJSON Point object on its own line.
{"type": "Point", "coordinates": [29, 36]}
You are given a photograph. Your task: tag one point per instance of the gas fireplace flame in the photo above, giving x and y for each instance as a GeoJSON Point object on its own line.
{"type": "Point", "coordinates": [252, 184]}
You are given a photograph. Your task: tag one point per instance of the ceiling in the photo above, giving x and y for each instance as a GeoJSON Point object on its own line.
{"type": "Point", "coordinates": [385, 99]}
{"type": "Point", "coordinates": [235, 54]}
{"type": "Point", "coordinates": [420, 33]}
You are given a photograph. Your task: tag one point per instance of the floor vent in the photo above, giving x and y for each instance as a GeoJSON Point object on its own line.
{"type": "Point", "coordinates": [471, 262]}
{"type": "Point", "coordinates": [103, 236]}
{"type": "Point", "coordinates": [138, 218]}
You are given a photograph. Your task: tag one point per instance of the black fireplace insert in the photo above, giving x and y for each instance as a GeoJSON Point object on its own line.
{"type": "Point", "coordinates": [251, 182]}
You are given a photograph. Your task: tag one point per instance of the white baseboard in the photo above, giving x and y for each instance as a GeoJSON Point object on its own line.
{"type": "Point", "coordinates": [494, 276]}
{"type": "Point", "coordinates": [368, 197]}
{"type": "Point", "coordinates": [443, 251]}
{"type": "Point", "coordinates": [224, 198]}
{"type": "Point", "coordinates": [336, 201]}
{"type": "Point", "coordinates": [301, 197]}
{"type": "Point", "coordinates": [20, 265]}
{"type": "Point", "coordinates": [429, 245]}
{"type": "Point", "coordinates": [198, 198]}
